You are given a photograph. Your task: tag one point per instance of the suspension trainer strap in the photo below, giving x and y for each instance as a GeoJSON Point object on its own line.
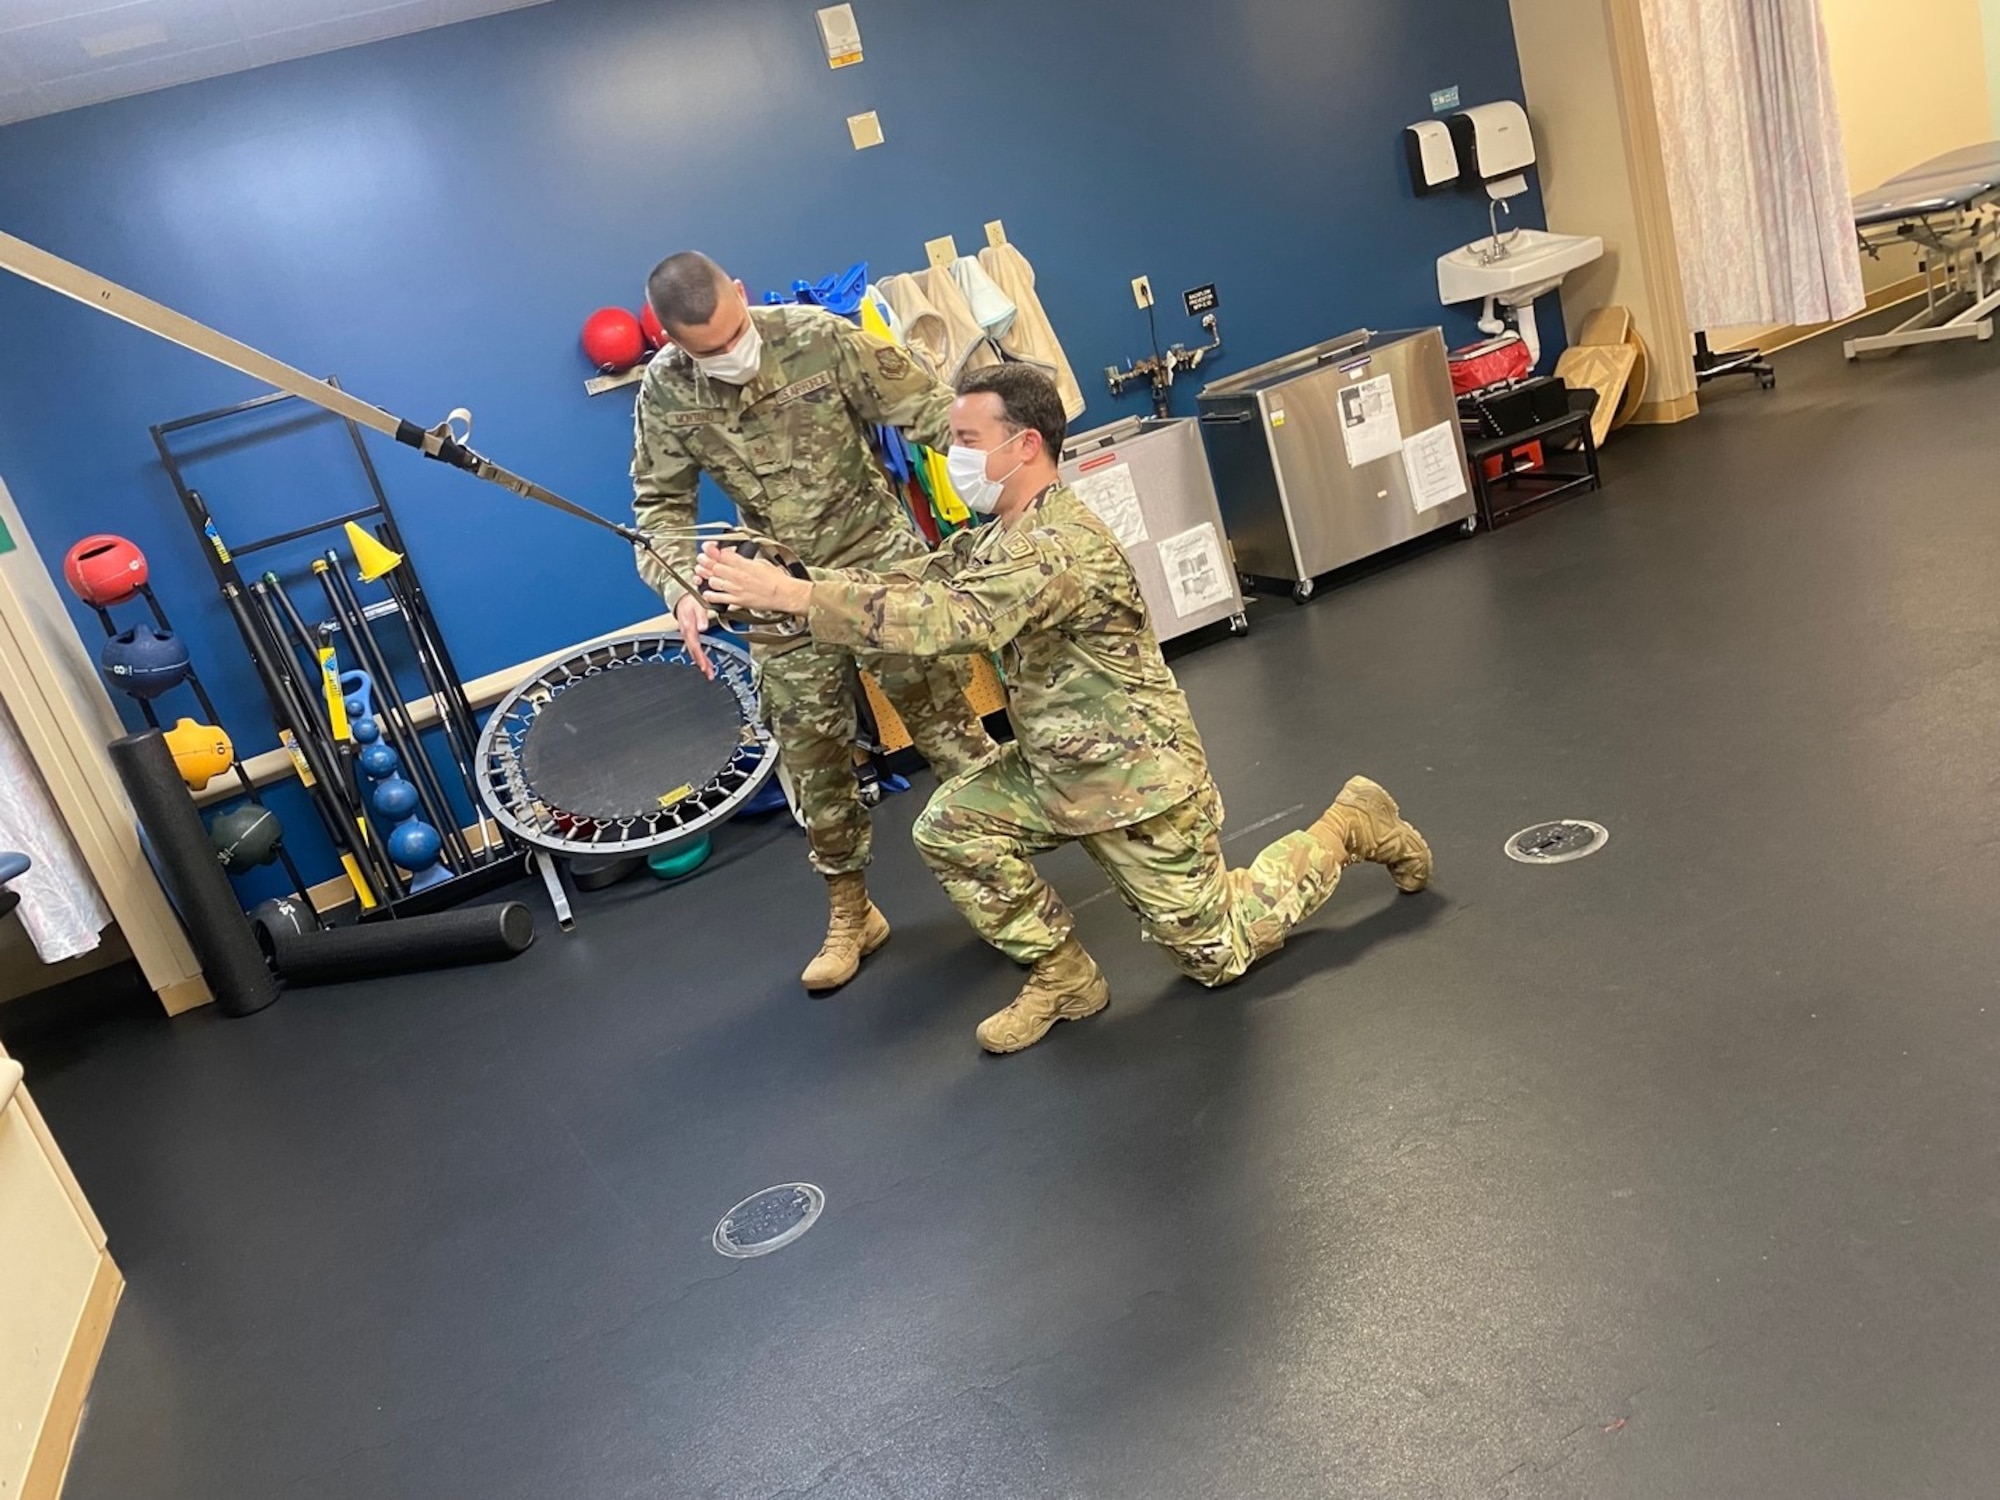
{"type": "Point", "coordinates": [448, 442]}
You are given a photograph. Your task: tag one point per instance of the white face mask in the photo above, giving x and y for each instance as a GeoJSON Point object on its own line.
{"type": "Point", "coordinates": [966, 468]}
{"type": "Point", "coordinates": [736, 365]}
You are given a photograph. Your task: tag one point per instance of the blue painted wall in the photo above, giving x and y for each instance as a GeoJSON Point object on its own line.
{"type": "Point", "coordinates": [432, 217]}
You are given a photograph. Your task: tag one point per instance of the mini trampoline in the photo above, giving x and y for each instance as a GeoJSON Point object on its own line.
{"type": "Point", "coordinates": [625, 748]}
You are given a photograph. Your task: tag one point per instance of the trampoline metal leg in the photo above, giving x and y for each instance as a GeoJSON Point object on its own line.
{"type": "Point", "coordinates": [552, 880]}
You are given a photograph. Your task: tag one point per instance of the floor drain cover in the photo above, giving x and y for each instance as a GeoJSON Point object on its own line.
{"type": "Point", "coordinates": [1558, 842]}
{"type": "Point", "coordinates": [769, 1220]}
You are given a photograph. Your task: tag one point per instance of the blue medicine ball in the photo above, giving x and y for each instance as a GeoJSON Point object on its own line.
{"type": "Point", "coordinates": [379, 760]}
{"type": "Point", "coordinates": [395, 798]}
{"type": "Point", "coordinates": [365, 730]}
{"type": "Point", "coordinates": [415, 846]}
{"type": "Point", "coordinates": [145, 661]}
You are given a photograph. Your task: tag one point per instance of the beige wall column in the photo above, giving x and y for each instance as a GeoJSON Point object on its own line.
{"type": "Point", "coordinates": [1597, 136]}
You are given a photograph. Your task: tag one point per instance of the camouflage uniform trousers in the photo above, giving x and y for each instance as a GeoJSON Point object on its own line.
{"type": "Point", "coordinates": [982, 829]}
{"type": "Point", "coordinates": [807, 692]}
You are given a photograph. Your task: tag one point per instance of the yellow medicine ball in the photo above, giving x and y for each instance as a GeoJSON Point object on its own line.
{"type": "Point", "coordinates": [201, 752]}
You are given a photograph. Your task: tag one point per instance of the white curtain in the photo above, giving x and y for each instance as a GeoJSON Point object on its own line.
{"type": "Point", "coordinates": [1756, 174]}
{"type": "Point", "coordinates": [60, 904]}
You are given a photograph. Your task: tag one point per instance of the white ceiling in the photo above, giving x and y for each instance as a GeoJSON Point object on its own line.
{"type": "Point", "coordinates": [58, 54]}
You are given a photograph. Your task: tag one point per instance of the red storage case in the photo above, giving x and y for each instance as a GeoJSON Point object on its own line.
{"type": "Point", "coordinates": [1477, 366]}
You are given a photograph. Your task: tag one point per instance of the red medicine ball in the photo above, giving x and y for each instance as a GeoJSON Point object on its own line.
{"type": "Point", "coordinates": [650, 326]}
{"type": "Point", "coordinates": [613, 339]}
{"type": "Point", "coordinates": [104, 570]}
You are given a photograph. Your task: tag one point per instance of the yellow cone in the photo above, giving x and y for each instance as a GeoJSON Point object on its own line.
{"type": "Point", "coordinates": [374, 558]}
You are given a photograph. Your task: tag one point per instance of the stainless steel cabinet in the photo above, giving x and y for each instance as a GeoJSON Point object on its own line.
{"type": "Point", "coordinates": [1337, 452]}
{"type": "Point", "coordinates": [1148, 480]}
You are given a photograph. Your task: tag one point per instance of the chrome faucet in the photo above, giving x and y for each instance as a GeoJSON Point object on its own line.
{"type": "Point", "coordinates": [1496, 248]}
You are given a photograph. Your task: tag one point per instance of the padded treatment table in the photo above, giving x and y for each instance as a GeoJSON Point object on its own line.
{"type": "Point", "coordinates": [1950, 209]}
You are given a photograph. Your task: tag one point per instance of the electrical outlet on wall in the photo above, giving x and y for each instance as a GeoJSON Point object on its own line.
{"type": "Point", "coordinates": [1142, 290]}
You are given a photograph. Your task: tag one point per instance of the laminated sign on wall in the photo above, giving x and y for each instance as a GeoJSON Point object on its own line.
{"type": "Point", "coordinates": [841, 34]}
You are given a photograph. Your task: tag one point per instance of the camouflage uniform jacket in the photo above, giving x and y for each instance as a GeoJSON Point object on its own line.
{"type": "Point", "coordinates": [1099, 720]}
{"type": "Point", "coordinates": [791, 448]}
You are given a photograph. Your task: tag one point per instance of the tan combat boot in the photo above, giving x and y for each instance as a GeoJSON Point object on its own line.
{"type": "Point", "coordinates": [854, 930]}
{"type": "Point", "coordinates": [1065, 986]}
{"type": "Point", "coordinates": [1365, 825]}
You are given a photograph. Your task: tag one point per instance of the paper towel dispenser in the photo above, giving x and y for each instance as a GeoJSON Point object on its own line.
{"type": "Point", "coordinates": [1494, 147]}
{"type": "Point", "coordinates": [1433, 158]}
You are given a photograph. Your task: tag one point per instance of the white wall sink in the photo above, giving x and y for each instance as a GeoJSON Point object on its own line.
{"type": "Point", "coordinates": [1535, 262]}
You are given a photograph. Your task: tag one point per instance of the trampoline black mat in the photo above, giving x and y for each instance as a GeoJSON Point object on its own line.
{"type": "Point", "coordinates": [631, 741]}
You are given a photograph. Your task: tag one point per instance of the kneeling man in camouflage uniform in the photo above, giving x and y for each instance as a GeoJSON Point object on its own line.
{"type": "Point", "coordinates": [1105, 752]}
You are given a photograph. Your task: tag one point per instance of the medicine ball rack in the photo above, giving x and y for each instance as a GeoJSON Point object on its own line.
{"type": "Point", "coordinates": [285, 651]}
{"type": "Point", "coordinates": [192, 681]}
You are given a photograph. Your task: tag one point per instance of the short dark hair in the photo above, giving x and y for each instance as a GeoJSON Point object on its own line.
{"type": "Point", "coordinates": [1028, 398]}
{"type": "Point", "coordinates": [685, 289]}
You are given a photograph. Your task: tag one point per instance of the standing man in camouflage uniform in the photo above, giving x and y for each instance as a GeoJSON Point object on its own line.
{"type": "Point", "coordinates": [1106, 752]}
{"type": "Point", "coordinates": [774, 403]}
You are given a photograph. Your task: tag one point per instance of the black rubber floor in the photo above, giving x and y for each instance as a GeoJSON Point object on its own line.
{"type": "Point", "coordinates": [1672, 1172]}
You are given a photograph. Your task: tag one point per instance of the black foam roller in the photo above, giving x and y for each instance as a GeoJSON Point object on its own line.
{"type": "Point", "coordinates": [230, 958]}
{"type": "Point", "coordinates": [470, 935]}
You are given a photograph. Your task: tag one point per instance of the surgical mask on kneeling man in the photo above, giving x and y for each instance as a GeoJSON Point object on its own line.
{"type": "Point", "coordinates": [966, 468]}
